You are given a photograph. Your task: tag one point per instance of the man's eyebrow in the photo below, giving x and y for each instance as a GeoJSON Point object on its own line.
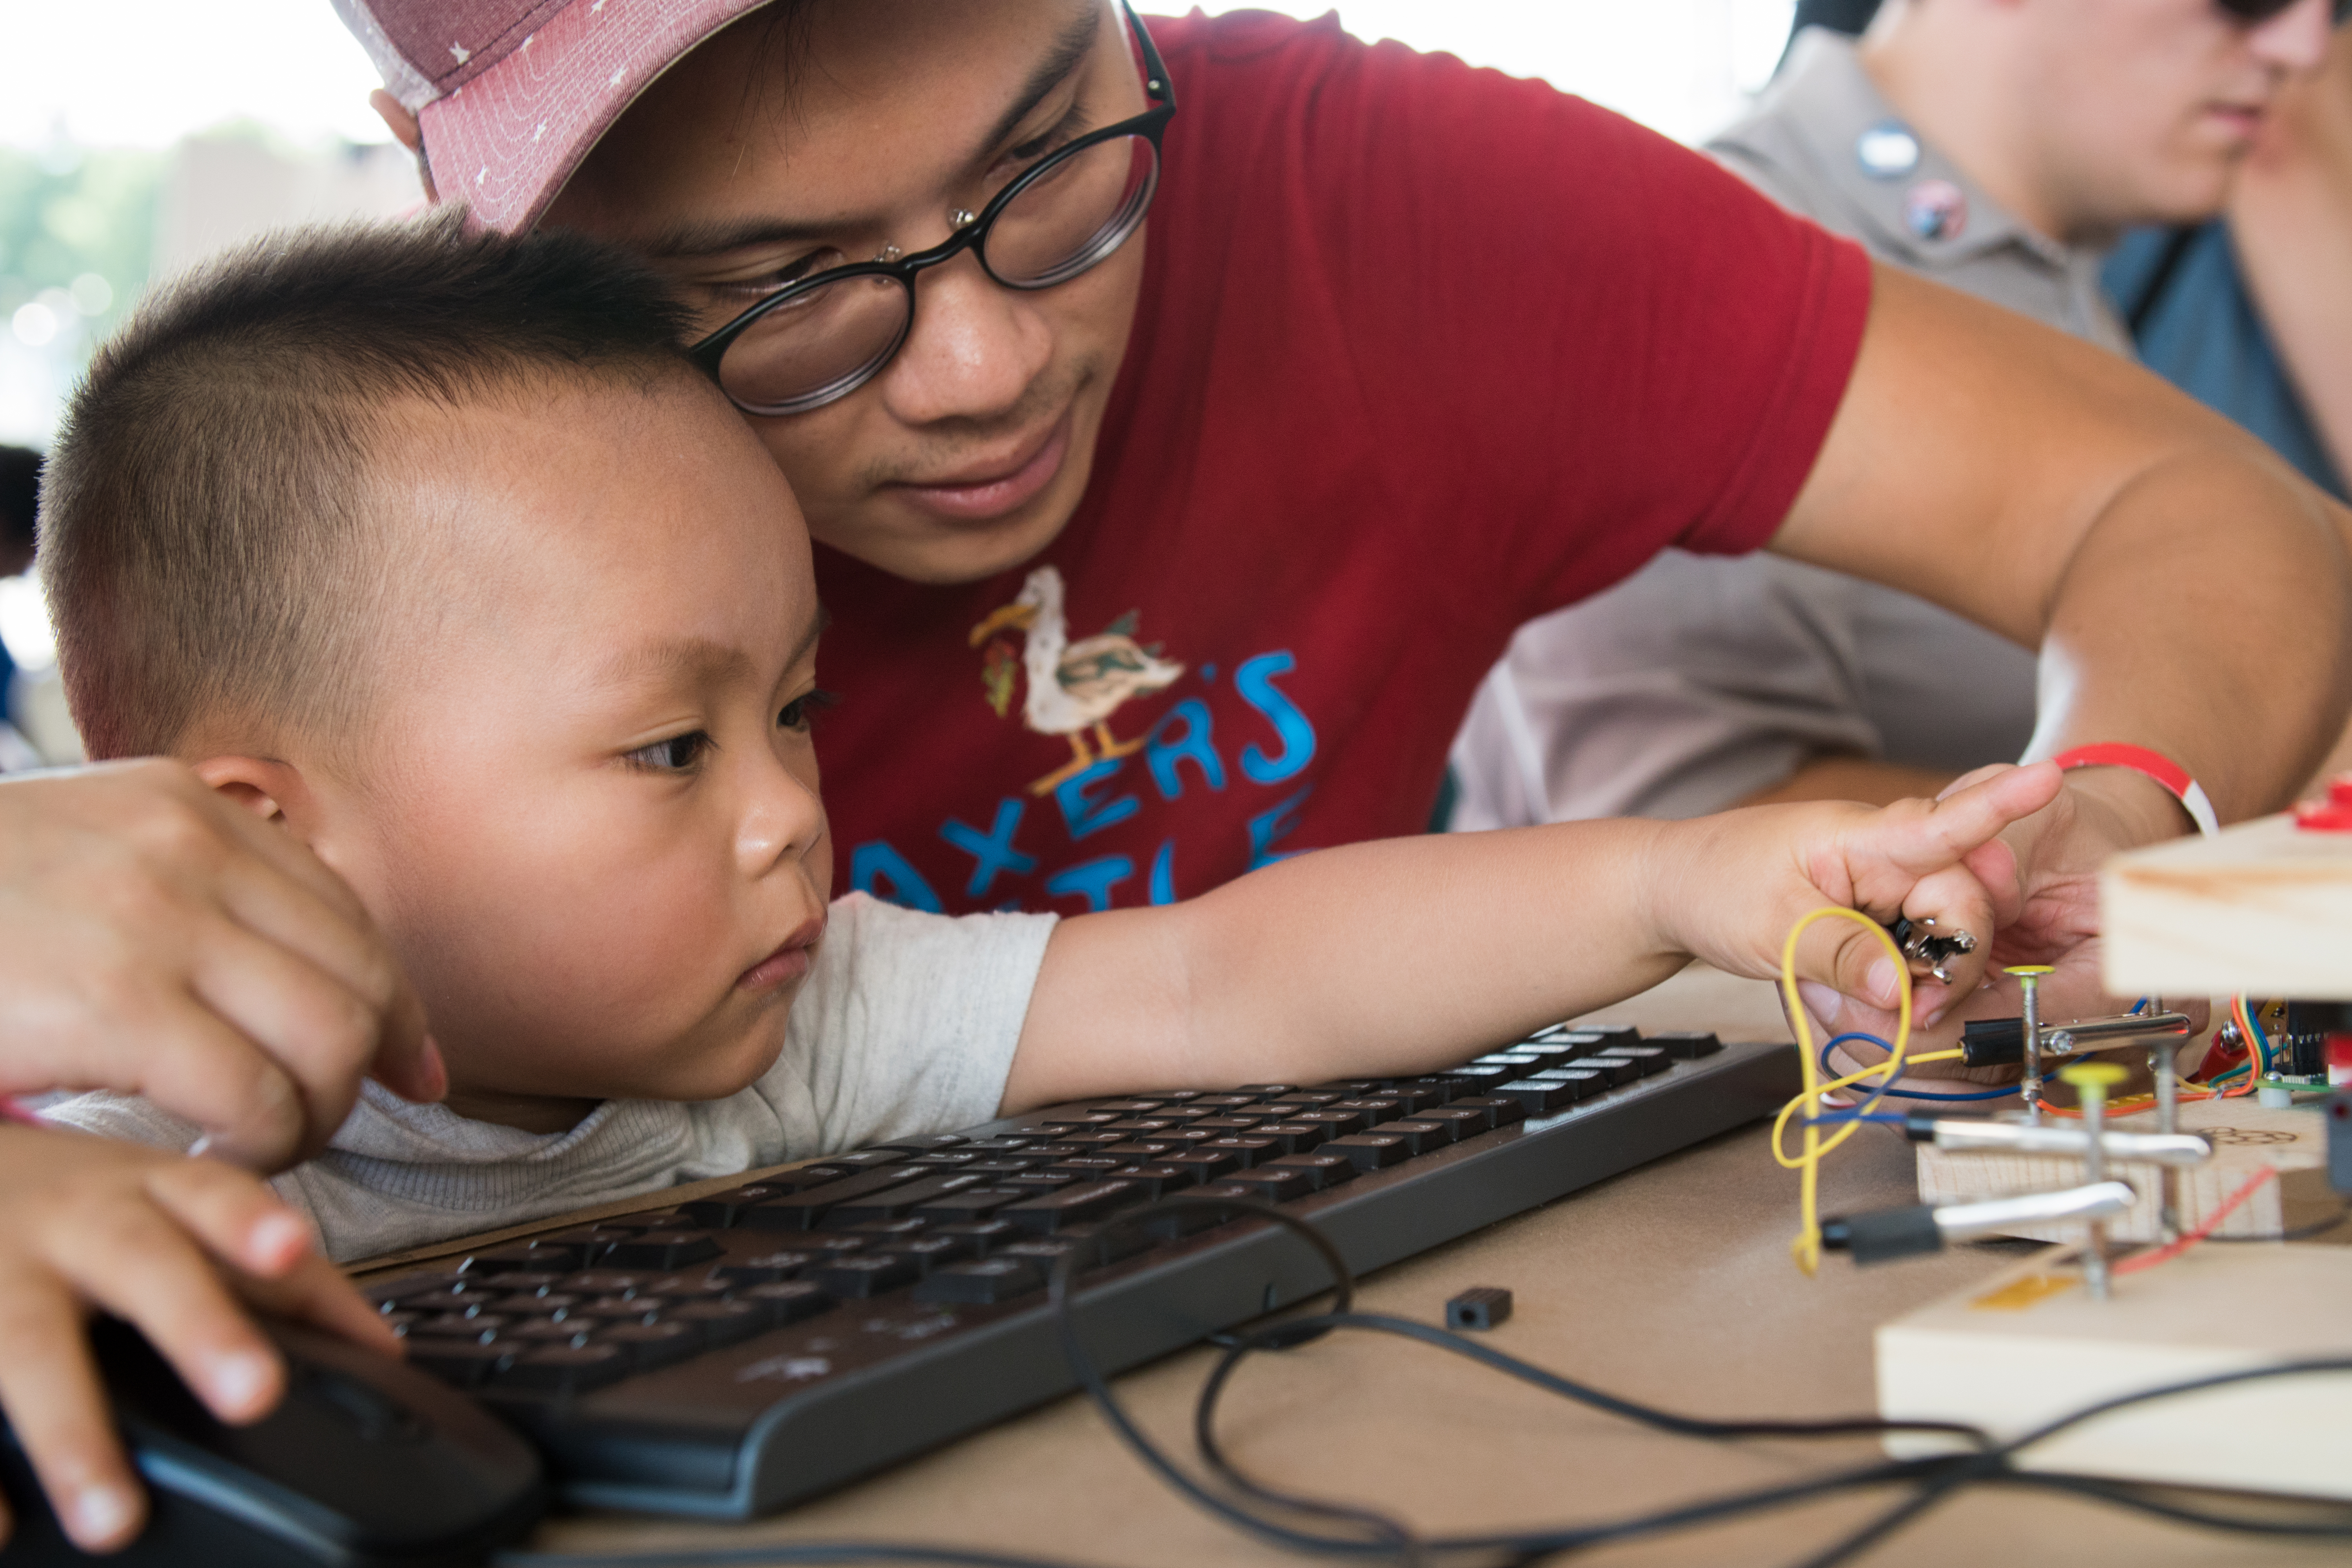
{"type": "Point", "coordinates": [695, 241]}
{"type": "Point", "coordinates": [1076, 41]}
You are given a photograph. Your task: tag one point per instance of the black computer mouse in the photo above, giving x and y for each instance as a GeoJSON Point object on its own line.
{"type": "Point", "coordinates": [366, 1463]}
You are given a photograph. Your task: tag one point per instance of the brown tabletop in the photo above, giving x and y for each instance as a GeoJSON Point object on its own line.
{"type": "Point", "coordinates": [1671, 1285]}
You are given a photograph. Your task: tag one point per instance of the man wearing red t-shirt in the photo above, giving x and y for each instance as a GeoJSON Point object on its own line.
{"type": "Point", "coordinates": [1153, 556]}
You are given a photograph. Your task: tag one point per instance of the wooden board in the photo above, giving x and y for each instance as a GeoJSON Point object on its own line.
{"type": "Point", "coordinates": [2031, 1345]}
{"type": "Point", "coordinates": [2245, 1138]}
{"type": "Point", "coordinates": [2265, 909]}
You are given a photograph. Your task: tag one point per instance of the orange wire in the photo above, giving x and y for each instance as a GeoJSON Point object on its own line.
{"type": "Point", "coordinates": [2212, 1223]}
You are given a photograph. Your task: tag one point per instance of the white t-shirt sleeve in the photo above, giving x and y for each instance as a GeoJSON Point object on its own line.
{"type": "Point", "coordinates": [907, 1024]}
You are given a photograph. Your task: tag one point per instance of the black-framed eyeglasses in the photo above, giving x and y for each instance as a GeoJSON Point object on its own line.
{"type": "Point", "coordinates": [822, 338]}
{"type": "Point", "coordinates": [2258, 11]}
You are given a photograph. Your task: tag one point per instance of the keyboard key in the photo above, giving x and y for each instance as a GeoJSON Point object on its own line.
{"type": "Point", "coordinates": [998, 1145]}
{"type": "Point", "coordinates": [1371, 1108]}
{"type": "Point", "coordinates": [863, 1159]}
{"type": "Point", "coordinates": [1613, 1070]}
{"type": "Point", "coordinates": [924, 1145]}
{"type": "Point", "coordinates": [855, 1279]}
{"type": "Point", "coordinates": [898, 1201]}
{"type": "Point", "coordinates": [1147, 1150]}
{"type": "Point", "coordinates": [525, 1281]}
{"type": "Point", "coordinates": [461, 1362]}
{"type": "Point", "coordinates": [984, 1233]}
{"type": "Point", "coordinates": [1063, 1126]}
{"type": "Point", "coordinates": [786, 1301]}
{"type": "Point", "coordinates": [1249, 1151]}
{"type": "Point", "coordinates": [1274, 1184]}
{"type": "Point", "coordinates": [1089, 1142]}
{"type": "Point", "coordinates": [1159, 1180]}
{"type": "Point", "coordinates": [1085, 1167]}
{"type": "Point", "coordinates": [1005, 1165]}
{"type": "Point", "coordinates": [540, 1332]}
{"type": "Point", "coordinates": [651, 1345]}
{"type": "Point", "coordinates": [386, 1293]}
{"type": "Point", "coordinates": [1370, 1151]}
{"type": "Point", "coordinates": [1048, 1211]}
{"type": "Point", "coordinates": [605, 1282]}
{"type": "Point", "coordinates": [1224, 1126]}
{"type": "Point", "coordinates": [973, 1202]}
{"type": "Point", "coordinates": [1540, 1096]}
{"type": "Point", "coordinates": [1607, 1035]}
{"type": "Point", "coordinates": [721, 1323]}
{"type": "Point", "coordinates": [1584, 1080]}
{"type": "Point", "coordinates": [1480, 1078]}
{"type": "Point", "coordinates": [1205, 1162]}
{"type": "Point", "coordinates": [937, 1157]}
{"type": "Point", "coordinates": [1291, 1137]}
{"type": "Point", "coordinates": [566, 1369]}
{"type": "Point", "coordinates": [1506, 1059]}
{"type": "Point", "coordinates": [1338, 1122]}
{"type": "Point", "coordinates": [929, 1252]}
{"type": "Point", "coordinates": [1322, 1168]}
{"type": "Point", "coordinates": [806, 1209]}
{"type": "Point", "coordinates": [1466, 1121]}
{"type": "Point", "coordinates": [1267, 1091]}
{"type": "Point", "coordinates": [1686, 1045]}
{"type": "Point", "coordinates": [1651, 1058]}
{"type": "Point", "coordinates": [621, 1310]}
{"type": "Point", "coordinates": [660, 1219]}
{"type": "Point", "coordinates": [690, 1286]}
{"type": "Point", "coordinates": [982, 1283]}
{"type": "Point", "coordinates": [1419, 1136]}
{"type": "Point", "coordinates": [1281, 1110]}
{"type": "Point", "coordinates": [480, 1327]}
{"type": "Point", "coordinates": [1031, 1183]}
{"type": "Point", "coordinates": [665, 1250]}
{"type": "Point", "coordinates": [1142, 1125]}
{"type": "Point", "coordinates": [1217, 1104]}
{"type": "Point", "coordinates": [1419, 1097]}
{"type": "Point", "coordinates": [764, 1269]}
{"type": "Point", "coordinates": [1126, 1107]}
{"type": "Point", "coordinates": [884, 1235]}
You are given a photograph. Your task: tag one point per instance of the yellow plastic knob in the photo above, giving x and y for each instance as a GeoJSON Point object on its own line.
{"type": "Point", "coordinates": [2022, 970]}
{"type": "Point", "coordinates": [2093, 1075]}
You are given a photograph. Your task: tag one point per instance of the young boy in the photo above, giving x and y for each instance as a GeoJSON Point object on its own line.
{"type": "Point", "coordinates": [430, 551]}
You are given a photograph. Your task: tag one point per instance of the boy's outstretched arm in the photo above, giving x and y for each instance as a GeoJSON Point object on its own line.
{"type": "Point", "coordinates": [1402, 956]}
{"type": "Point", "coordinates": [175, 1246]}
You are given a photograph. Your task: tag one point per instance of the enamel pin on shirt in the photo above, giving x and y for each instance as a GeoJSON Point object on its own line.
{"type": "Point", "coordinates": [1887, 151]}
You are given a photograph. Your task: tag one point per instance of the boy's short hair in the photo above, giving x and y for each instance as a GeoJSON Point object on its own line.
{"type": "Point", "coordinates": [210, 540]}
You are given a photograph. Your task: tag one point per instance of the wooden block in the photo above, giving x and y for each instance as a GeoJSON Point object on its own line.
{"type": "Point", "coordinates": [2264, 909]}
{"type": "Point", "coordinates": [2031, 1345]}
{"type": "Point", "coordinates": [2245, 1138]}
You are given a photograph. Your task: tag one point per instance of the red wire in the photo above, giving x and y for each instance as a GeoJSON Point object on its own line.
{"type": "Point", "coordinates": [2212, 1223]}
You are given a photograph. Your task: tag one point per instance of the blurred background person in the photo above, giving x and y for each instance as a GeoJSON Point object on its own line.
{"type": "Point", "coordinates": [1998, 146]}
{"type": "Point", "coordinates": [20, 494]}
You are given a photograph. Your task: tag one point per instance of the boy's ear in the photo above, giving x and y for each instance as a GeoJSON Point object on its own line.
{"type": "Point", "coordinates": [273, 790]}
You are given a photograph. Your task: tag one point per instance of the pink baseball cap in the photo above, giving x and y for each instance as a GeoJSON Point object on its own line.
{"type": "Point", "coordinates": [511, 94]}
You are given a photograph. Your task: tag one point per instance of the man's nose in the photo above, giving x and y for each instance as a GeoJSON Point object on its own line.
{"type": "Point", "coordinates": [2296, 39]}
{"type": "Point", "coordinates": [976, 346]}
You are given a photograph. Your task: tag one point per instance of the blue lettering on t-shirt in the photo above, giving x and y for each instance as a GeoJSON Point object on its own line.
{"type": "Point", "coordinates": [1253, 679]}
{"type": "Point", "coordinates": [1163, 873]}
{"type": "Point", "coordinates": [877, 868]}
{"type": "Point", "coordinates": [992, 851]}
{"type": "Point", "coordinates": [1086, 816]}
{"type": "Point", "coordinates": [1163, 754]}
{"type": "Point", "coordinates": [1267, 827]}
{"type": "Point", "coordinates": [1092, 879]}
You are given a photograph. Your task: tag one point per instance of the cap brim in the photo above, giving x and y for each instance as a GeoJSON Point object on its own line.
{"type": "Point", "coordinates": [506, 142]}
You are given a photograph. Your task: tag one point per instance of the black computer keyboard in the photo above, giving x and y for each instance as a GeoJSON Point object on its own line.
{"type": "Point", "coordinates": [731, 1355]}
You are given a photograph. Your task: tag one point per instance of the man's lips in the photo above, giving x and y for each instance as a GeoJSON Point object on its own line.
{"type": "Point", "coordinates": [789, 961]}
{"type": "Point", "coordinates": [983, 491]}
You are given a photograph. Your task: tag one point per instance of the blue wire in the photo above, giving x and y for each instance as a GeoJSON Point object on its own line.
{"type": "Point", "coordinates": [2260, 1043]}
{"type": "Point", "coordinates": [1883, 1093]}
{"type": "Point", "coordinates": [1859, 1115]}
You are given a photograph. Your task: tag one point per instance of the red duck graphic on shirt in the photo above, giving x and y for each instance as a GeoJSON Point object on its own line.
{"type": "Point", "coordinates": [1073, 687]}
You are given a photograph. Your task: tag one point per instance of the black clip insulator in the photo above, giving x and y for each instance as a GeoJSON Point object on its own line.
{"type": "Point", "coordinates": [1885, 1235]}
{"type": "Point", "coordinates": [1992, 1042]}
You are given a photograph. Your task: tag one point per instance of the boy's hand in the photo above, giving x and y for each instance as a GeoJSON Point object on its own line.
{"type": "Point", "coordinates": [157, 939]}
{"type": "Point", "coordinates": [170, 1244]}
{"type": "Point", "coordinates": [1747, 876]}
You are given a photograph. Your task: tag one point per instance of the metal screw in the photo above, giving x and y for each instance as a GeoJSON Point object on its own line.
{"type": "Point", "coordinates": [2091, 1081]}
{"type": "Point", "coordinates": [2029, 982]}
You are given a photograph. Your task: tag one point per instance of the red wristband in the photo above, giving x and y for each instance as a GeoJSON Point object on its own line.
{"type": "Point", "coordinates": [2153, 765]}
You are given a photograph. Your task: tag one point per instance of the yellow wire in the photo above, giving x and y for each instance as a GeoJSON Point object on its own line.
{"type": "Point", "coordinates": [1781, 1122]}
{"type": "Point", "coordinates": [1807, 1246]}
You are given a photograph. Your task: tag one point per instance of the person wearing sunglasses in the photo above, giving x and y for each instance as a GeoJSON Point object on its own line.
{"type": "Point", "coordinates": [1159, 550]}
{"type": "Point", "coordinates": [1998, 146]}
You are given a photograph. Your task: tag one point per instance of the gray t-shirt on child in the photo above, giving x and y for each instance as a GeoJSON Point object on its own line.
{"type": "Point", "coordinates": [905, 1025]}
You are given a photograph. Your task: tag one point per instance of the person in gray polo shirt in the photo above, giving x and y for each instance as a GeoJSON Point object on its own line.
{"type": "Point", "coordinates": [1998, 149]}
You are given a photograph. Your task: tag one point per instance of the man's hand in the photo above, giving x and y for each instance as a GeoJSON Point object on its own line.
{"type": "Point", "coordinates": [170, 1244]}
{"type": "Point", "coordinates": [156, 940]}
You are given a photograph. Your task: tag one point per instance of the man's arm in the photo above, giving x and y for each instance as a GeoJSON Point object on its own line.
{"type": "Point", "coordinates": [1410, 954]}
{"type": "Point", "coordinates": [2062, 497]}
